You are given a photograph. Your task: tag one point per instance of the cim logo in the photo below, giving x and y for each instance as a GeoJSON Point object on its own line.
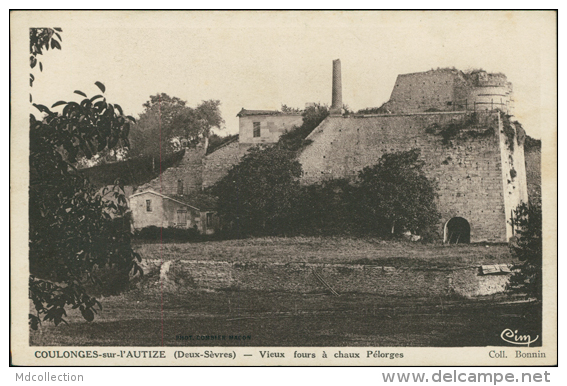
{"type": "Point", "coordinates": [513, 338]}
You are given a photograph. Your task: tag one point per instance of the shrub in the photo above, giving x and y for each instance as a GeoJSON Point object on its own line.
{"type": "Point", "coordinates": [172, 233]}
{"type": "Point", "coordinates": [395, 196]}
{"type": "Point", "coordinates": [326, 209]}
{"type": "Point", "coordinates": [526, 246]}
{"type": "Point", "coordinates": [258, 195]}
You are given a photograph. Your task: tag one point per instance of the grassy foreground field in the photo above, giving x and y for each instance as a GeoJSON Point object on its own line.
{"type": "Point", "coordinates": [329, 250]}
{"type": "Point", "coordinates": [285, 319]}
{"type": "Point", "coordinates": [150, 316]}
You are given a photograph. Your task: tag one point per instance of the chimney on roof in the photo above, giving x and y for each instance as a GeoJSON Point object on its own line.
{"type": "Point", "coordinates": [337, 104]}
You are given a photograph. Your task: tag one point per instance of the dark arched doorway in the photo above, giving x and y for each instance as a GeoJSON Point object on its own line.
{"type": "Point", "coordinates": [457, 231]}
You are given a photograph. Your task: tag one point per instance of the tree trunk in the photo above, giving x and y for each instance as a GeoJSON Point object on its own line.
{"type": "Point", "coordinates": [206, 143]}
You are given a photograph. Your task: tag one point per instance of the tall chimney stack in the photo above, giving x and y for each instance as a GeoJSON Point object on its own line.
{"type": "Point", "coordinates": [337, 104]}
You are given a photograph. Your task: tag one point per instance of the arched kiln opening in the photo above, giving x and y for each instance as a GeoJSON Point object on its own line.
{"type": "Point", "coordinates": [457, 231]}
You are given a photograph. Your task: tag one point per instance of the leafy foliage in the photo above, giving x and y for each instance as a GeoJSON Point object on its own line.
{"type": "Point", "coordinates": [294, 139]}
{"type": "Point", "coordinates": [526, 246]}
{"type": "Point", "coordinates": [73, 228]}
{"type": "Point", "coordinates": [289, 110]}
{"type": "Point", "coordinates": [42, 39]}
{"type": "Point", "coordinates": [532, 144]}
{"type": "Point", "coordinates": [327, 208]}
{"type": "Point", "coordinates": [166, 118]}
{"type": "Point", "coordinates": [396, 196]}
{"type": "Point", "coordinates": [82, 128]}
{"type": "Point", "coordinates": [257, 195]}
{"type": "Point", "coordinates": [75, 231]}
{"type": "Point", "coordinates": [262, 196]}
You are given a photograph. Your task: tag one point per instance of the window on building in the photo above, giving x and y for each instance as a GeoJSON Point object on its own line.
{"type": "Point", "coordinates": [148, 205]}
{"type": "Point", "coordinates": [179, 188]}
{"type": "Point", "coordinates": [182, 217]}
{"type": "Point", "coordinates": [256, 129]}
{"type": "Point", "coordinates": [209, 220]}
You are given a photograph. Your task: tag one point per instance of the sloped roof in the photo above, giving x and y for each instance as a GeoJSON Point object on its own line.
{"type": "Point", "coordinates": [247, 113]}
{"type": "Point", "coordinates": [149, 191]}
{"type": "Point", "coordinates": [202, 201]}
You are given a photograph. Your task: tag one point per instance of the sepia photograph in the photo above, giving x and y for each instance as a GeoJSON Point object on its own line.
{"type": "Point", "coordinates": [313, 188]}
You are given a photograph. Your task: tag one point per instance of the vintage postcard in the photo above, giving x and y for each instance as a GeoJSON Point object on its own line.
{"type": "Point", "coordinates": [321, 188]}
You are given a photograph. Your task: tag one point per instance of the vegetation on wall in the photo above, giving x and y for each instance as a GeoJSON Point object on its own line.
{"type": "Point", "coordinates": [509, 131]}
{"type": "Point", "coordinates": [294, 139]}
{"type": "Point", "coordinates": [459, 129]}
{"type": "Point", "coordinates": [513, 173]}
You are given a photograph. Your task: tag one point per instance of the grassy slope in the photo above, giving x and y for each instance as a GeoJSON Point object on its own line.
{"type": "Point", "coordinates": [329, 250]}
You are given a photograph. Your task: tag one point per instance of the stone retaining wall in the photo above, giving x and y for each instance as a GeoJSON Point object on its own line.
{"type": "Point", "coordinates": [343, 278]}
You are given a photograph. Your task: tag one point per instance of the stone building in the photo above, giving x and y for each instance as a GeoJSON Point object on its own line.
{"type": "Point", "coordinates": [460, 121]}
{"type": "Point", "coordinates": [150, 208]}
{"type": "Point", "coordinates": [480, 169]}
{"type": "Point", "coordinates": [177, 204]}
{"type": "Point", "coordinates": [255, 127]}
{"type": "Point", "coordinates": [183, 178]}
{"type": "Point", "coordinates": [450, 90]}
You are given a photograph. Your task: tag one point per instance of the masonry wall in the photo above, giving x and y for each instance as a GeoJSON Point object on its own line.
{"type": "Point", "coordinates": [450, 90]}
{"type": "Point", "coordinates": [189, 171]}
{"type": "Point", "coordinates": [421, 91]}
{"type": "Point", "coordinates": [217, 164]}
{"type": "Point", "coordinates": [141, 217]}
{"type": "Point", "coordinates": [343, 278]}
{"type": "Point", "coordinates": [469, 170]}
{"type": "Point", "coordinates": [514, 181]}
{"type": "Point", "coordinates": [163, 213]}
{"type": "Point", "coordinates": [271, 127]}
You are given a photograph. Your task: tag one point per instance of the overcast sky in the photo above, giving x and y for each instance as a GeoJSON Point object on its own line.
{"type": "Point", "coordinates": [261, 60]}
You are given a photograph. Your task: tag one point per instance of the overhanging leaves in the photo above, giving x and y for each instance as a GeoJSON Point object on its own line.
{"type": "Point", "coordinates": [100, 86]}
